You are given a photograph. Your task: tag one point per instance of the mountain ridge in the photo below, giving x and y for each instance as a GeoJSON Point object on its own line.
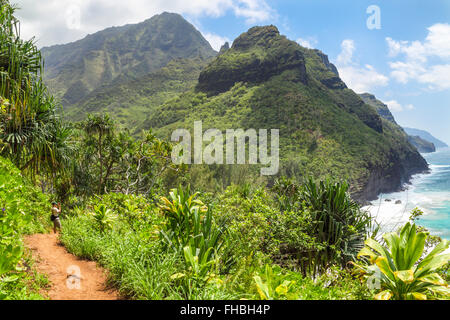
{"type": "Point", "coordinates": [264, 80]}
{"type": "Point", "coordinates": [425, 135]}
{"type": "Point", "coordinates": [325, 128]}
{"type": "Point", "coordinates": [422, 140]}
{"type": "Point", "coordinates": [74, 70]}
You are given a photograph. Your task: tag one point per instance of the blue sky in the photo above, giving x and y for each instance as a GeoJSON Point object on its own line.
{"type": "Point", "coordinates": [405, 63]}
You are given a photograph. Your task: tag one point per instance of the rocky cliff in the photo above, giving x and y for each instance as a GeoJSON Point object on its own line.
{"type": "Point", "coordinates": [422, 145]}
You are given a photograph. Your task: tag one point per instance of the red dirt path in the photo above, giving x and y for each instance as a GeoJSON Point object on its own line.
{"type": "Point", "coordinates": [61, 268]}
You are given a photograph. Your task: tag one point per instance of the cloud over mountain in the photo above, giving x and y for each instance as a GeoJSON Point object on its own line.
{"type": "Point", "coordinates": [55, 22]}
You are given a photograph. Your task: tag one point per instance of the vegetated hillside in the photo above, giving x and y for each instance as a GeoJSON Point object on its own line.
{"type": "Point", "coordinates": [381, 108]}
{"type": "Point", "coordinates": [422, 145]}
{"type": "Point", "coordinates": [426, 136]}
{"type": "Point", "coordinates": [73, 70]}
{"type": "Point", "coordinates": [131, 100]}
{"type": "Point", "coordinates": [416, 137]}
{"type": "Point", "coordinates": [267, 81]}
{"type": "Point", "coordinates": [23, 210]}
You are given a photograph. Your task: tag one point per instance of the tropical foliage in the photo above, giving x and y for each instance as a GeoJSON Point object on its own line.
{"type": "Point", "coordinates": [179, 249]}
{"type": "Point", "coordinates": [402, 270]}
{"type": "Point", "coordinates": [30, 130]}
{"type": "Point", "coordinates": [233, 237]}
{"type": "Point", "coordinates": [22, 209]}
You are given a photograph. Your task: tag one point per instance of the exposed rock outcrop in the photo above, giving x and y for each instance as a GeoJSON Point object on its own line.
{"type": "Point", "coordinates": [393, 178]}
{"type": "Point", "coordinates": [422, 145]}
{"type": "Point", "coordinates": [255, 57]}
{"type": "Point", "coordinates": [381, 108]}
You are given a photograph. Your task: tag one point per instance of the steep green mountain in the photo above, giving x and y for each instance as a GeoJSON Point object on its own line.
{"type": "Point", "coordinates": [130, 100]}
{"type": "Point", "coordinates": [265, 81]}
{"type": "Point", "coordinates": [381, 108]}
{"type": "Point", "coordinates": [74, 70]}
{"type": "Point", "coordinates": [422, 140]}
{"type": "Point", "coordinates": [422, 145]}
{"type": "Point", "coordinates": [426, 136]}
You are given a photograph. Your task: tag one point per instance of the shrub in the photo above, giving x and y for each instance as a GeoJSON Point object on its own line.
{"type": "Point", "coordinates": [272, 285]}
{"type": "Point", "coordinates": [103, 218]}
{"type": "Point", "coordinates": [22, 211]}
{"type": "Point", "coordinates": [400, 269]}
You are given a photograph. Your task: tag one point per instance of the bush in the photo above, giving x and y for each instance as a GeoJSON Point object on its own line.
{"type": "Point", "coordinates": [400, 269]}
{"type": "Point", "coordinates": [22, 211]}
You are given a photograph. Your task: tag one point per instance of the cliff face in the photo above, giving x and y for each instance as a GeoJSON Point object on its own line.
{"type": "Point", "coordinates": [390, 178]}
{"type": "Point", "coordinates": [254, 57]}
{"type": "Point", "coordinates": [422, 145]}
{"type": "Point", "coordinates": [381, 108]}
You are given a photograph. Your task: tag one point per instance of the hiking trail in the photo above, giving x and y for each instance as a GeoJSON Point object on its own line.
{"type": "Point", "coordinates": [71, 278]}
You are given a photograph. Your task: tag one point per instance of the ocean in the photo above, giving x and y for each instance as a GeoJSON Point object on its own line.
{"type": "Point", "coordinates": [428, 192]}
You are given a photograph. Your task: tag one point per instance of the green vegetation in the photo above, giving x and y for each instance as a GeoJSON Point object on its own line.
{"type": "Point", "coordinates": [130, 101]}
{"type": "Point", "coordinates": [379, 106]}
{"type": "Point", "coordinates": [224, 232]}
{"type": "Point", "coordinates": [325, 128]}
{"type": "Point", "coordinates": [402, 270]}
{"type": "Point", "coordinates": [421, 144]}
{"type": "Point", "coordinates": [179, 249]}
{"type": "Point", "coordinates": [120, 54]}
{"type": "Point", "coordinates": [30, 132]}
{"type": "Point", "coordinates": [22, 212]}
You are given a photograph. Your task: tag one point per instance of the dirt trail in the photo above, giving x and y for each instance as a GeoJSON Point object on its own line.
{"type": "Point", "coordinates": [71, 278]}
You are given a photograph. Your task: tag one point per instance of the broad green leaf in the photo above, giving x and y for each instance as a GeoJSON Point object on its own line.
{"type": "Point", "coordinates": [368, 253]}
{"type": "Point", "coordinates": [434, 263]}
{"type": "Point", "coordinates": [262, 288]}
{"type": "Point", "coordinates": [418, 296]}
{"type": "Point", "coordinates": [383, 295]}
{"type": "Point", "coordinates": [414, 249]}
{"type": "Point", "coordinates": [441, 247]}
{"type": "Point", "coordinates": [392, 240]}
{"type": "Point", "coordinates": [383, 264]}
{"type": "Point", "coordinates": [433, 278]}
{"type": "Point", "coordinates": [375, 246]}
{"type": "Point", "coordinates": [406, 276]}
{"type": "Point", "coordinates": [442, 290]}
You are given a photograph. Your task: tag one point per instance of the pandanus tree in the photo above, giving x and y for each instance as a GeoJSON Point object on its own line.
{"type": "Point", "coordinates": [30, 130]}
{"type": "Point", "coordinates": [100, 129]}
{"type": "Point", "coordinates": [339, 223]}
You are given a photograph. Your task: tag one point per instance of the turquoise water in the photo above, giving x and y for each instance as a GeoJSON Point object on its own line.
{"type": "Point", "coordinates": [429, 192]}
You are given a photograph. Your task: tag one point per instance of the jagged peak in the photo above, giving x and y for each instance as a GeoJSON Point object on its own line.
{"type": "Point", "coordinates": [225, 47]}
{"type": "Point", "coordinates": [256, 36]}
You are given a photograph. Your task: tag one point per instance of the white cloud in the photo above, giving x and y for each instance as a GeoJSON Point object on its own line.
{"type": "Point", "coordinates": [51, 21]}
{"type": "Point", "coordinates": [309, 43]}
{"type": "Point", "coordinates": [252, 10]}
{"type": "Point", "coordinates": [359, 78]}
{"type": "Point", "coordinates": [395, 106]}
{"type": "Point", "coordinates": [416, 64]}
{"type": "Point", "coordinates": [437, 77]}
{"type": "Point", "coordinates": [215, 40]}
{"type": "Point", "coordinates": [346, 55]}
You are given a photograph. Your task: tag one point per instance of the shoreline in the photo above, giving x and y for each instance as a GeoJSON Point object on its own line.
{"type": "Point", "coordinates": [393, 209]}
